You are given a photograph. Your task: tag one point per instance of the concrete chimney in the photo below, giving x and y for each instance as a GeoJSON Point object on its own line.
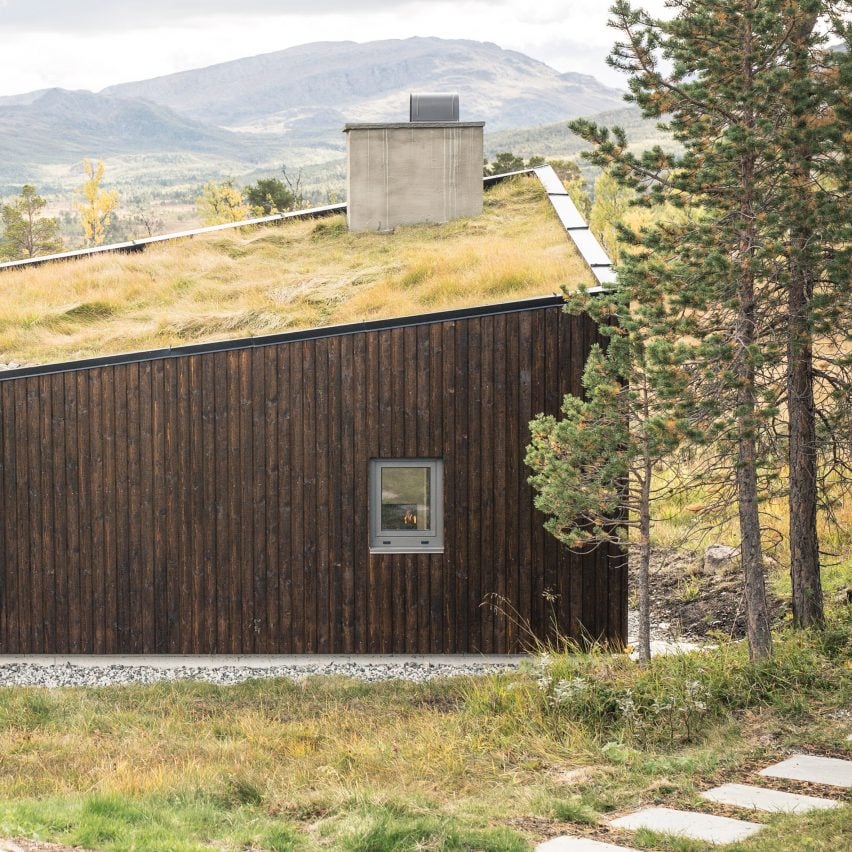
{"type": "Point", "coordinates": [406, 173]}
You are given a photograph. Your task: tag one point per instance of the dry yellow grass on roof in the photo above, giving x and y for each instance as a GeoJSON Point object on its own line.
{"type": "Point", "coordinates": [262, 280]}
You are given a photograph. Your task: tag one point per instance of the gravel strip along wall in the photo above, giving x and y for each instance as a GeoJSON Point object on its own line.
{"type": "Point", "coordinates": [24, 674]}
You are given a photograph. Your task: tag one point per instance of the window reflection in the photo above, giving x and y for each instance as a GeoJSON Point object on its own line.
{"type": "Point", "coordinates": [406, 494]}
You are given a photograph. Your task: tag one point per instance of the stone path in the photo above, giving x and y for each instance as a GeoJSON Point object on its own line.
{"type": "Point", "coordinates": [827, 771]}
{"type": "Point", "coordinates": [697, 826]}
{"type": "Point", "coordinates": [816, 770]}
{"type": "Point", "coordinates": [767, 799]}
{"type": "Point", "coordinates": [580, 844]}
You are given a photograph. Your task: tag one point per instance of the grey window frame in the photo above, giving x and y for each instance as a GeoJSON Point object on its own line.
{"type": "Point", "coordinates": [407, 541]}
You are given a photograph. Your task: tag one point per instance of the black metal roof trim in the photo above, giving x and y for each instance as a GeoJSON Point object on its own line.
{"type": "Point", "coordinates": [535, 303]}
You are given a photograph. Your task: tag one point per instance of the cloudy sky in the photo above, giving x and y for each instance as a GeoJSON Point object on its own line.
{"type": "Point", "coordinates": [90, 44]}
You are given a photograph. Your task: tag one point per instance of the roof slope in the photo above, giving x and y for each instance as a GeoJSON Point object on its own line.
{"type": "Point", "coordinates": [282, 277]}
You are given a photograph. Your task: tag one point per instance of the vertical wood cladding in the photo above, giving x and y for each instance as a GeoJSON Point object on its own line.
{"type": "Point", "coordinates": [216, 502]}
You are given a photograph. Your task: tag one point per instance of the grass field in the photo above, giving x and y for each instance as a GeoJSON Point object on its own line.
{"type": "Point", "coordinates": [300, 274]}
{"type": "Point", "coordinates": [490, 763]}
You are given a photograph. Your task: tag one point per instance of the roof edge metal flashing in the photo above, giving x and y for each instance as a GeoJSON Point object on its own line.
{"type": "Point", "coordinates": [585, 242]}
{"type": "Point", "coordinates": [144, 242]}
{"type": "Point", "coordinates": [535, 303]}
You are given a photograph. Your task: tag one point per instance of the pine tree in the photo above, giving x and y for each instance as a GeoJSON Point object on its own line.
{"type": "Point", "coordinates": [757, 271]}
{"type": "Point", "coordinates": [813, 224]}
{"type": "Point", "coordinates": [705, 275]}
{"type": "Point", "coordinates": [593, 468]}
{"type": "Point", "coordinates": [26, 233]}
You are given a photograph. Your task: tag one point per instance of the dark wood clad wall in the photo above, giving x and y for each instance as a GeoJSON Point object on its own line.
{"type": "Point", "coordinates": [217, 502]}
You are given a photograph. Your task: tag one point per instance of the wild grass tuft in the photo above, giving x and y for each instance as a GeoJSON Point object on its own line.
{"type": "Point", "coordinates": [261, 280]}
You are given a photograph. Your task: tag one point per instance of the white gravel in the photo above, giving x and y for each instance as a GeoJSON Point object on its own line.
{"type": "Point", "coordinates": [28, 674]}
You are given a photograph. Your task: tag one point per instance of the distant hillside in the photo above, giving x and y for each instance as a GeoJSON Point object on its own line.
{"type": "Point", "coordinates": [556, 140]}
{"type": "Point", "coordinates": [320, 86]}
{"type": "Point", "coordinates": [58, 126]}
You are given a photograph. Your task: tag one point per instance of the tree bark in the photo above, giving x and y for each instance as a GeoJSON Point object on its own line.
{"type": "Point", "coordinates": [745, 334]}
{"type": "Point", "coordinates": [645, 539]}
{"type": "Point", "coordinates": [803, 496]}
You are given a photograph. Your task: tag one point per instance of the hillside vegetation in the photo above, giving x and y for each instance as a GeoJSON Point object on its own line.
{"type": "Point", "coordinates": [256, 281]}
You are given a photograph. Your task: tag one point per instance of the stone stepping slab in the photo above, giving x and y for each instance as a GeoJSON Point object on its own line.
{"type": "Point", "coordinates": [765, 799]}
{"type": "Point", "coordinates": [816, 770]}
{"type": "Point", "coordinates": [696, 826]}
{"type": "Point", "coordinates": [579, 844]}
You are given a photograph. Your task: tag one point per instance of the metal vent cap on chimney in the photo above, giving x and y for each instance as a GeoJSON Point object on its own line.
{"type": "Point", "coordinates": [434, 106]}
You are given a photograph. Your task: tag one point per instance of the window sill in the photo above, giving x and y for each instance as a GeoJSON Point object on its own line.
{"type": "Point", "coordinates": [379, 551]}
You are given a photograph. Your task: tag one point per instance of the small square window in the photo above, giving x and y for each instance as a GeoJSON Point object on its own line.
{"type": "Point", "coordinates": [406, 511]}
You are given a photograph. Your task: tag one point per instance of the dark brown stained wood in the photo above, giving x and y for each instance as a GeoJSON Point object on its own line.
{"type": "Point", "coordinates": [232, 590]}
{"type": "Point", "coordinates": [297, 492]}
{"type": "Point", "coordinates": [9, 581]}
{"type": "Point", "coordinates": [498, 414]}
{"type": "Point", "coordinates": [284, 491]}
{"type": "Point", "coordinates": [448, 431]}
{"type": "Point", "coordinates": [310, 507]}
{"type": "Point", "coordinates": [208, 521]}
{"type": "Point", "coordinates": [422, 449]}
{"type": "Point", "coordinates": [36, 580]}
{"type": "Point", "coordinates": [433, 403]}
{"type": "Point", "coordinates": [368, 446]}
{"type": "Point", "coordinates": [460, 474]}
{"type": "Point", "coordinates": [361, 403]}
{"type": "Point", "coordinates": [146, 592]}
{"type": "Point", "coordinates": [258, 476]}
{"type": "Point", "coordinates": [409, 627]}
{"type": "Point", "coordinates": [384, 427]}
{"type": "Point", "coordinates": [487, 521]}
{"type": "Point", "coordinates": [335, 497]}
{"type": "Point", "coordinates": [474, 485]}
{"type": "Point", "coordinates": [221, 459]}
{"type": "Point", "coordinates": [244, 503]}
{"type": "Point", "coordinates": [269, 357]}
{"type": "Point", "coordinates": [399, 605]}
{"type": "Point", "coordinates": [346, 612]}
{"type": "Point", "coordinates": [110, 578]}
{"type": "Point", "coordinates": [158, 440]}
{"type": "Point", "coordinates": [122, 445]}
{"type": "Point", "coordinates": [514, 631]}
{"type": "Point", "coordinates": [45, 525]}
{"type": "Point", "coordinates": [526, 577]}
{"type": "Point", "coordinates": [96, 424]}
{"type": "Point", "coordinates": [4, 575]}
{"type": "Point", "coordinates": [322, 601]}
{"type": "Point", "coordinates": [191, 390]}
{"type": "Point", "coordinates": [217, 502]}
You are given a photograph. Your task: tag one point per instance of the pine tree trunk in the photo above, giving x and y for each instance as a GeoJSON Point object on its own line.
{"type": "Point", "coordinates": [644, 579]}
{"type": "Point", "coordinates": [745, 333]}
{"type": "Point", "coordinates": [645, 538]}
{"type": "Point", "coordinates": [751, 556]}
{"type": "Point", "coordinates": [804, 541]}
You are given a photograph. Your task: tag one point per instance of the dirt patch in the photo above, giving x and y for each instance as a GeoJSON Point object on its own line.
{"type": "Point", "coordinates": [688, 602]}
{"type": "Point", "coordinates": [35, 846]}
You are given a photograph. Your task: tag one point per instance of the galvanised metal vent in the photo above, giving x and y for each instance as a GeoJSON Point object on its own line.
{"type": "Point", "coordinates": [434, 106]}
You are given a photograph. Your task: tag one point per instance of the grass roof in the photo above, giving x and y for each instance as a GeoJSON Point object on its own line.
{"type": "Point", "coordinates": [281, 277]}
